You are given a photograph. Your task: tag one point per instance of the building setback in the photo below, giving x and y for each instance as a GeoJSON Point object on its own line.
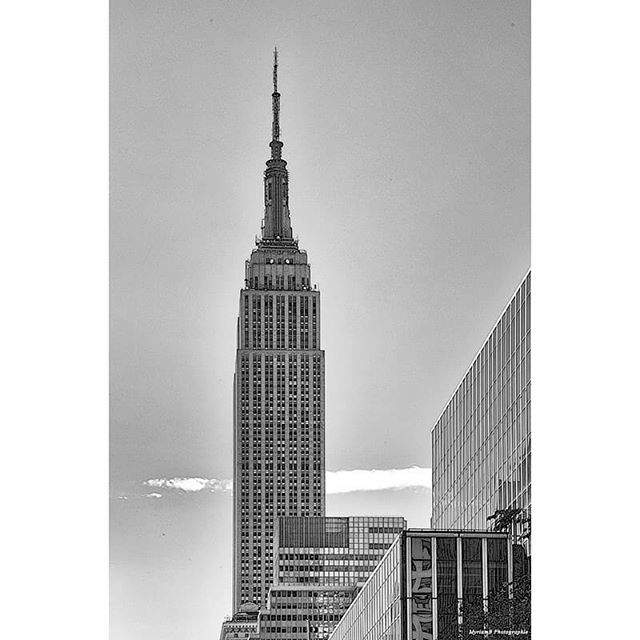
{"type": "Point", "coordinates": [436, 585]}
{"type": "Point", "coordinates": [279, 443]}
{"type": "Point", "coordinates": [481, 443]}
{"type": "Point", "coordinates": [319, 566]}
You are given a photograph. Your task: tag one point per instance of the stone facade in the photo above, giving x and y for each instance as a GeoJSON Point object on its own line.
{"type": "Point", "coordinates": [279, 441]}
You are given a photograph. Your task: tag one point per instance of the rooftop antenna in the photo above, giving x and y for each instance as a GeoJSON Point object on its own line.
{"type": "Point", "coordinates": [275, 70]}
{"type": "Point", "coordinates": [276, 145]}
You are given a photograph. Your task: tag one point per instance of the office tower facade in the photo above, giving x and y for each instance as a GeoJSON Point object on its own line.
{"type": "Point", "coordinates": [332, 550]}
{"type": "Point", "coordinates": [279, 444]}
{"type": "Point", "coordinates": [481, 443]}
{"type": "Point", "coordinates": [319, 566]}
{"type": "Point", "coordinates": [439, 585]}
{"type": "Point", "coordinates": [304, 612]}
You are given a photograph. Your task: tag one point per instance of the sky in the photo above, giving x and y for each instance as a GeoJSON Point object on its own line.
{"type": "Point", "coordinates": [406, 130]}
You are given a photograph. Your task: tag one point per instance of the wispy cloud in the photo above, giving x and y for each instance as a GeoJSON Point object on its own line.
{"type": "Point", "coordinates": [349, 481]}
{"type": "Point", "coordinates": [190, 485]}
{"type": "Point", "coordinates": [153, 495]}
{"type": "Point", "coordinates": [378, 480]}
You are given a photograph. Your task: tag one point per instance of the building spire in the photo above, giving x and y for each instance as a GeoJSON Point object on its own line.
{"type": "Point", "coordinates": [276, 145]}
{"type": "Point", "coordinates": [277, 223]}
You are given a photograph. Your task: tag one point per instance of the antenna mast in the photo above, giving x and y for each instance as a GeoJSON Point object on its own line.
{"type": "Point", "coordinates": [275, 100]}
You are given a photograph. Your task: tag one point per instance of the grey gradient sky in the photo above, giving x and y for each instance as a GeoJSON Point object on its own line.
{"type": "Point", "coordinates": [406, 130]}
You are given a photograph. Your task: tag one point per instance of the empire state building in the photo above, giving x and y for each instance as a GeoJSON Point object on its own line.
{"type": "Point", "coordinates": [279, 461]}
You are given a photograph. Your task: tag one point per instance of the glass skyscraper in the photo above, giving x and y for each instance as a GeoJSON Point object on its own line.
{"type": "Point", "coordinates": [481, 443]}
{"type": "Point", "coordinates": [278, 388]}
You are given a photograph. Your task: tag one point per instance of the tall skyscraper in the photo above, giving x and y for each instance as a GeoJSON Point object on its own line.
{"type": "Point", "coordinates": [279, 444]}
{"type": "Point", "coordinates": [481, 443]}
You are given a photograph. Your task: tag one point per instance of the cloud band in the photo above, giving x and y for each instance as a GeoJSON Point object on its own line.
{"type": "Point", "coordinates": [347, 481]}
